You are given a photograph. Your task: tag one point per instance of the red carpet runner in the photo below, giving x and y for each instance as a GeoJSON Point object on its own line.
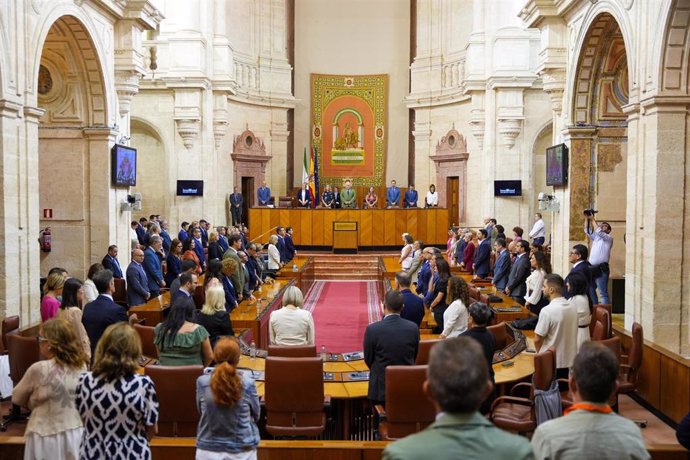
{"type": "Point", "coordinates": [342, 310]}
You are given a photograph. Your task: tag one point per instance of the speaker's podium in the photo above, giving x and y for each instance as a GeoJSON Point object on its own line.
{"type": "Point", "coordinates": [345, 237]}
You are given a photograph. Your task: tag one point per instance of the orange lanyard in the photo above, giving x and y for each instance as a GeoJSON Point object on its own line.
{"type": "Point", "coordinates": [589, 407]}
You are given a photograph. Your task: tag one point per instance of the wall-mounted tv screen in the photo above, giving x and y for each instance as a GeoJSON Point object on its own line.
{"type": "Point", "coordinates": [507, 188]}
{"type": "Point", "coordinates": [123, 166]}
{"type": "Point", "coordinates": [190, 188]}
{"type": "Point", "coordinates": [557, 165]}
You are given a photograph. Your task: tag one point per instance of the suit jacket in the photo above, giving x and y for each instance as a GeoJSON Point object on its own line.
{"type": "Point", "coordinates": [236, 199]}
{"type": "Point", "coordinates": [460, 250]}
{"type": "Point", "coordinates": [204, 237]}
{"type": "Point", "coordinates": [141, 233]}
{"type": "Point", "coordinates": [411, 198]}
{"type": "Point", "coordinates": [167, 241]}
{"type": "Point", "coordinates": [303, 195]}
{"type": "Point", "coordinates": [153, 269]}
{"type": "Point", "coordinates": [199, 250]}
{"type": "Point", "coordinates": [502, 270]}
{"type": "Point", "coordinates": [413, 307]}
{"type": "Point", "coordinates": [482, 260]}
{"type": "Point", "coordinates": [179, 293]}
{"type": "Point", "coordinates": [393, 196]}
{"type": "Point", "coordinates": [391, 341]}
{"type": "Point", "coordinates": [423, 278]}
{"type": "Point", "coordinates": [264, 195]}
{"type": "Point", "coordinates": [460, 436]}
{"type": "Point", "coordinates": [282, 249]}
{"type": "Point", "coordinates": [348, 198]}
{"type": "Point", "coordinates": [215, 251]}
{"type": "Point", "coordinates": [137, 285]}
{"type": "Point", "coordinates": [289, 248]}
{"type": "Point", "coordinates": [174, 265]}
{"type": "Point", "coordinates": [112, 264]}
{"type": "Point", "coordinates": [583, 268]}
{"type": "Point", "coordinates": [223, 242]}
{"type": "Point", "coordinates": [254, 273]}
{"type": "Point", "coordinates": [238, 276]}
{"type": "Point", "coordinates": [518, 274]}
{"type": "Point", "coordinates": [182, 236]}
{"type": "Point", "coordinates": [230, 293]}
{"type": "Point", "coordinates": [100, 314]}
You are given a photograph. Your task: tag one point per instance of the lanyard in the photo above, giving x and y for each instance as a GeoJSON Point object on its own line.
{"type": "Point", "coordinates": [589, 407]}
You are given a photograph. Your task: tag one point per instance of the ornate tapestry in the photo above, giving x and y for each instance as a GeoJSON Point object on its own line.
{"type": "Point", "coordinates": [348, 118]}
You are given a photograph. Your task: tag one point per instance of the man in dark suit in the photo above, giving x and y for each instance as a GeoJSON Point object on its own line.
{"type": "Point", "coordinates": [236, 201]}
{"type": "Point", "coordinates": [237, 277]}
{"type": "Point", "coordinates": [578, 257]}
{"type": "Point", "coordinates": [199, 247]}
{"type": "Point", "coordinates": [502, 265]}
{"type": "Point", "coordinates": [111, 263]}
{"type": "Point", "coordinates": [424, 274]}
{"type": "Point", "coordinates": [167, 241]}
{"type": "Point", "coordinates": [516, 287]}
{"type": "Point", "coordinates": [413, 305]}
{"type": "Point", "coordinates": [137, 284]}
{"type": "Point", "coordinates": [141, 230]}
{"type": "Point", "coordinates": [203, 228]}
{"type": "Point", "coordinates": [390, 342]}
{"type": "Point", "coordinates": [188, 282]}
{"type": "Point", "coordinates": [103, 312]}
{"type": "Point", "coordinates": [290, 250]}
{"type": "Point", "coordinates": [152, 266]}
{"type": "Point", "coordinates": [482, 260]}
{"type": "Point", "coordinates": [280, 231]}
{"type": "Point", "coordinates": [222, 238]}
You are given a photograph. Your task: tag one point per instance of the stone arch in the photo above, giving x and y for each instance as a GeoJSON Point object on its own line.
{"type": "Point", "coordinates": [674, 58]}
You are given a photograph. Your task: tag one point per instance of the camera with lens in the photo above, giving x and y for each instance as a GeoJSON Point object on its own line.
{"type": "Point", "coordinates": [590, 212]}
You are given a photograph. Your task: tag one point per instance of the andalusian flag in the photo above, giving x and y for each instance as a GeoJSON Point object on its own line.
{"type": "Point", "coordinates": [312, 184]}
{"type": "Point", "coordinates": [305, 169]}
{"type": "Point", "coordinates": [315, 166]}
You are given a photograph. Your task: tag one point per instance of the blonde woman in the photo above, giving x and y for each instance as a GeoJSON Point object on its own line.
{"type": "Point", "coordinates": [273, 254]}
{"type": "Point", "coordinates": [291, 325]}
{"type": "Point", "coordinates": [51, 291]}
{"type": "Point", "coordinates": [214, 317]}
{"type": "Point", "coordinates": [55, 429]}
{"type": "Point", "coordinates": [119, 407]}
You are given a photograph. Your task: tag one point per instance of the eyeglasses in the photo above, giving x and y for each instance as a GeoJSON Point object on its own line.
{"type": "Point", "coordinates": [40, 338]}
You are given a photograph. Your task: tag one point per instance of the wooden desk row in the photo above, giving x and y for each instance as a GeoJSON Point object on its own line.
{"type": "Point", "coordinates": [376, 228]}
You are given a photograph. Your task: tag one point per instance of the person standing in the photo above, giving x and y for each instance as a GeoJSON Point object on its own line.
{"type": "Point", "coordinates": [482, 261]}
{"type": "Point", "coordinates": [413, 305]}
{"type": "Point", "coordinates": [47, 388]}
{"type": "Point", "coordinates": [304, 197]}
{"type": "Point", "coordinates": [557, 326]}
{"type": "Point", "coordinates": [389, 342]}
{"type": "Point", "coordinates": [263, 195]}
{"type": "Point", "coordinates": [290, 250]}
{"type": "Point", "coordinates": [236, 202]}
{"type": "Point", "coordinates": [238, 276]}
{"type": "Point", "coordinates": [538, 232]}
{"type": "Point", "coordinates": [111, 263]}
{"type": "Point", "coordinates": [393, 195]}
{"type": "Point", "coordinates": [411, 197]}
{"type": "Point", "coordinates": [328, 198]}
{"type": "Point", "coordinates": [502, 265]}
{"type": "Point", "coordinates": [431, 199]}
{"type": "Point", "coordinates": [599, 256]}
{"type": "Point", "coordinates": [348, 197]}
{"type": "Point", "coordinates": [578, 257]}
{"type": "Point", "coordinates": [590, 428]}
{"type": "Point", "coordinates": [519, 271]}
{"type": "Point", "coordinates": [152, 266]}
{"type": "Point", "coordinates": [137, 282]}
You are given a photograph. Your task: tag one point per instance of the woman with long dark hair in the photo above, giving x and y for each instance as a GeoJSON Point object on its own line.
{"type": "Point", "coordinates": [173, 262]}
{"type": "Point", "coordinates": [229, 407]}
{"type": "Point", "coordinates": [55, 429]}
{"type": "Point", "coordinates": [439, 288]}
{"type": "Point", "coordinates": [90, 291]}
{"type": "Point", "coordinates": [213, 271]}
{"type": "Point", "coordinates": [70, 310]}
{"type": "Point", "coordinates": [179, 340]}
{"type": "Point", "coordinates": [188, 253]}
{"type": "Point", "coordinates": [456, 316]}
{"type": "Point", "coordinates": [119, 407]}
{"type": "Point", "coordinates": [534, 298]}
{"type": "Point", "coordinates": [577, 284]}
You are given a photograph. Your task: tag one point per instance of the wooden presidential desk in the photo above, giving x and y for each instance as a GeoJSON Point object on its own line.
{"type": "Point", "coordinates": [375, 227]}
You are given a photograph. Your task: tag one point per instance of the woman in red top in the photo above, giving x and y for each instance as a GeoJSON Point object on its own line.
{"type": "Point", "coordinates": [190, 254]}
{"type": "Point", "coordinates": [468, 254]}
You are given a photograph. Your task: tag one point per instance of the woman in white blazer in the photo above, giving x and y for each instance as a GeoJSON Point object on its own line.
{"type": "Point", "coordinates": [273, 254]}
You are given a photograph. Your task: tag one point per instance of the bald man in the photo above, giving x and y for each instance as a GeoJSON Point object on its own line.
{"type": "Point", "coordinates": [137, 281]}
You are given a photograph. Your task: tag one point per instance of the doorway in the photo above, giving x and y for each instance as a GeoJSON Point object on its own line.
{"type": "Point", "coordinates": [453, 199]}
{"type": "Point", "coordinates": [248, 195]}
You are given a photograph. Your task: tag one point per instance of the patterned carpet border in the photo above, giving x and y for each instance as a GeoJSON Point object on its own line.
{"type": "Point", "coordinates": [373, 302]}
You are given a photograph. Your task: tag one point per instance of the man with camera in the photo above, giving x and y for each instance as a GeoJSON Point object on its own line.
{"type": "Point", "coordinates": [599, 255]}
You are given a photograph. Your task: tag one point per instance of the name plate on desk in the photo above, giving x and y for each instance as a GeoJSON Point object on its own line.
{"type": "Point", "coordinates": [345, 226]}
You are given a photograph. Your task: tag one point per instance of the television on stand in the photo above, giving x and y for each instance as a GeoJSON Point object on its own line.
{"type": "Point", "coordinates": [557, 165]}
{"type": "Point", "coordinates": [123, 166]}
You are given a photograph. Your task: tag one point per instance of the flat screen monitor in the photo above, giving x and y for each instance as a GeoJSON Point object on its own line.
{"type": "Point", "coordinates": [123, 166]}
{"type": "Point", "coordinates": [557, 165]}
{"type": "Point", "coordinates": [190, 188]}
{"type": "Point", "coordinates": [507, 188]}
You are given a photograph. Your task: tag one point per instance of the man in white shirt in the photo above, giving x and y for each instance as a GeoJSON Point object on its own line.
{"type": "Point", "coordinates": [599, 255]}
{"type": "Point", "coordinates": [538, 232]}
{"type": "Point", "coordinates": [557, 325]}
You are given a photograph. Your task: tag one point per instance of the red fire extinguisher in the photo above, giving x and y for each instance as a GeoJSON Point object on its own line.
{"type": "Point", "coordinates": [45, 240]}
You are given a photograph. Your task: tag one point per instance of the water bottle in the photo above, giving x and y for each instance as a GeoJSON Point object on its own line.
{"type": "Point", "coordinates": [294, 267]}
{"type": "Point", "coordinates": [324, 354]}
{"type": "Point", "coordinates": [252, 350]}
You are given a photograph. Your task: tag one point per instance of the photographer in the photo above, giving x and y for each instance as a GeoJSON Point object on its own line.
{"type": "Point", "coordinates": [600, 253]}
